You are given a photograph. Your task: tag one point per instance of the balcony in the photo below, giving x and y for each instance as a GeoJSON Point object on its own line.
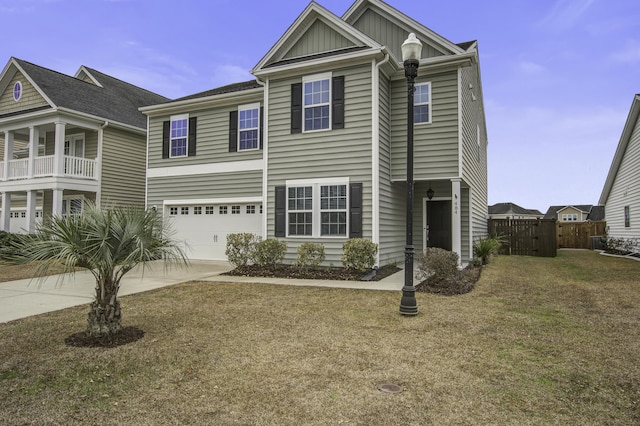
{"type": "Point", "coordinates": [44, 166]}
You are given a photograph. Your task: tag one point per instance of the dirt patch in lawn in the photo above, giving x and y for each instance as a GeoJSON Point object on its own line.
{"type": "Point", "coordinates": [125, 336]}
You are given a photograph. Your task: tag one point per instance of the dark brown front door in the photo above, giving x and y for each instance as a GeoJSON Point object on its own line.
{"type": "Point", "coordinates": [439, 224]}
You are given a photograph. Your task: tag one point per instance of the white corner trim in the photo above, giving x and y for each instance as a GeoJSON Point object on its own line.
{"type": "Point", "coordinates": [203, 169]}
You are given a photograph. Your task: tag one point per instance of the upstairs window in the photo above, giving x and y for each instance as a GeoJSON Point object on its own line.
{"type": "Point", "coordinates": [316, 94]}
{"type": "Point", "coordinates": [570, 217]}
{"type": "Point", "coordinates": [422, 103]}
{"type": "Point", "coordinates": [179, 133]}
{"type": "Point", "coordinates": [249, 127]}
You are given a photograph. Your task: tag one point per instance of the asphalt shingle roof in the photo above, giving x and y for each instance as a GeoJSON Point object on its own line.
{"type": "Point", "coordinates": [116, 100]}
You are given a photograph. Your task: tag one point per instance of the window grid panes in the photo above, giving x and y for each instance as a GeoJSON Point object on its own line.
{"type": "Point", "coordinates": [208, 210]}
{"type": "Point", "coordinates": [235, 209]}
{"type": "Point", "coordinates": [251, 209]}
{"type": "Point", "coordinates": [222, 209]}
{"type": "Point", "coordinates": [422, 103]}
{"type": "Point", "coordinates": [173, 211]}
{"type": "Point", "coordinates": [317, 95]}
{"type": "Point", "coordinates": [197, 210]}
{"type": "Point", "coordinates": [249, 122]}
{"type": "Point", "coordinates": [179, 137]}
{"type": "Point", "coordinates": [184, 210]}
{"type": "Point", "coordinates": [300, 203]}
{"type": "Point", "coordinates": [333, 207]}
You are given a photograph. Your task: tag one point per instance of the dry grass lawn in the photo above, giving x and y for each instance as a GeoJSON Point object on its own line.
{"type": "Point", "coordinates": [11, 272]}
{"type": "Point", "coordinates": [539, 341]}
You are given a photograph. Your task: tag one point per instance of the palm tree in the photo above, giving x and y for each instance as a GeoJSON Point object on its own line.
{"type": "Point", "coordinates": [107, 242]}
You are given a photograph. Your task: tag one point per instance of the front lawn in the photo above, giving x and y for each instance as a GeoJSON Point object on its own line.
{"type": "Point", "coordinates": [539, 341]}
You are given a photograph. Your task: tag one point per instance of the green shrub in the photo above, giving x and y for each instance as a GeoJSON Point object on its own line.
{"type": "Point", "coordinates": [438, 266]}
{"type": "Point", "coordinates": [8, 243]}
{"type": "Point", "coordinates": [485, 248]}
{"type": "Point", "coordinates": [241, 248]}
{"type": "Point", "coordinates": [359, 254]}
{"type": "Point", "coordinates": [270, 252]}
{"type": "Point", "coordinates": [310, 255]}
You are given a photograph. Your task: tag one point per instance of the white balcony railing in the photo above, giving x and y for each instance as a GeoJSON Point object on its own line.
{"type": "Point", "coordinates": [44, 166]}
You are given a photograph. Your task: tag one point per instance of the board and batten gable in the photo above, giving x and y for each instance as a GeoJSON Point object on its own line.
{"type": "Point", "coordinates": [387, 33]}
{"type": "Point", "coordinates": [335, 153]}
{"type": "Point", "coordinates": [30, 98]}
{"type": "Point", "coordinates": [318, 38]}
{"type": "Point", "coordinates": [436, 144]}
{"type": "Point", "coordinates": [625, 191]}
{"type": "Point", "coordinates": [122, 178]}
{"type": "Point", "coordinates": [474, 149]}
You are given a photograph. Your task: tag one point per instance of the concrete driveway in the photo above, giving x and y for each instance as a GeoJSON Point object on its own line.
{"type": "Point", "coordinates": [23, 298]}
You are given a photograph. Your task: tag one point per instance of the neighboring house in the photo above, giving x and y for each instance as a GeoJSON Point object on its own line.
{"type": "Point", "coordinates": [65, 140]}
{"type": "Point", "coordinates": [512, 211]}
{"type": "Point", "coordinates": [314, 149]}
{"type": "Point", "coordinates": [621, 192]}
{"type": "Point", "coordinates": [575, 213]}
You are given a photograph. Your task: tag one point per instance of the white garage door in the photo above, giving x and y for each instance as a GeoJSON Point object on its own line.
{"type": "Point", "coordinates": [203, 228]}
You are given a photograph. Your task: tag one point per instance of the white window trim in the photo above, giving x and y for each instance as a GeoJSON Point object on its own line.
{"type": "Point", "coordinates": [311, 78]}
{"type": "Point", "coordinates": [13, 90]}
{"type": "Point", "coordinates": [245, 108]}
{"type": "Point", "coordinates": [71, 139]}
{"type": "Point", "coordinates": [315, 184]}
{"type": "Point", "coordinates": [430, 103]}
{"type": "Point", "coordinates": [67, 200]}
{"type": "Point", "coordinates": [171, 120]}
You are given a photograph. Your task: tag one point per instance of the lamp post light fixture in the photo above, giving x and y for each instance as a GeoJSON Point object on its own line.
{"type": "Point", "coordinates": [411, 50]}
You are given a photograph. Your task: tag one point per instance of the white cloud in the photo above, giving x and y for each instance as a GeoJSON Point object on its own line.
{"type": "Point", "coordinates": [227, 74]}
{"type": "Point", "coordinates": [565, 13]}
{"type": "Point", "coordinates": [530, 68]}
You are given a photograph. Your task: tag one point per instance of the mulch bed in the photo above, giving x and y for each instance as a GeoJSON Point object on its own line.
{"type": "Point", "coordinates": [321, 273]}
{"type": "Point", "coordinates": [462, 284]}
{"type": "Point", "coordinates": [125, 336]}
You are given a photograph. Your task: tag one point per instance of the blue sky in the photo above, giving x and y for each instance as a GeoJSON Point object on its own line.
{"type": "Point", "coordinates": [558, 76]}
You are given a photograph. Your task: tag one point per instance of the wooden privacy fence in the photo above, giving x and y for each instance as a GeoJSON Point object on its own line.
{"type": "Point", "coordinates": [577, 235]}
{"type": "Point", "coordinates": [526, 237]}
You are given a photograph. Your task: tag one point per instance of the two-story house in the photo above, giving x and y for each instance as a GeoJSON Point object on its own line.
{"type": "Point", "coordinates": [66, 140]}
{"type": "Point", "coordinates": [314, 149]}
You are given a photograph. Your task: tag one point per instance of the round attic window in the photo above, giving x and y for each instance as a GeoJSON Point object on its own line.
{"type": "Point", "coordinates": [17, 91]}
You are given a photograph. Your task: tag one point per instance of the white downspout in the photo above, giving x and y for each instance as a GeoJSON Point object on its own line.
{"type": "Point", "coordinates": [99, 161]}
{"type": "Point", "coordinates": [265, 153]}
{"type": "Point", "coordinates": [375, 152]}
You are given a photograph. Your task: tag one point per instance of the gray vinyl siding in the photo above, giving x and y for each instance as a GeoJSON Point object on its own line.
{"type": "Point", "coordinates": [319, 38]}
{"type": "Point", "coordinates": [474, 158]}
{"type": "Point", "coordinates": [123, 167]}
{"type": "Point", "coordinates": [212, 138]}
{"type": "Point", "coordinates": [436, 144]}
{"type": "Point", "coordinates": [205, 186]}
{"type": "Point", "coordinates": [626, 191]}
{"type": "Point", "coordinates": [29, 99]}
{"type": "Point", "coordinates": [324, 154]}
{"type": "Point", "coordinates": [392, 200]}
{"type": "Point", "coordinates": [389, 34]}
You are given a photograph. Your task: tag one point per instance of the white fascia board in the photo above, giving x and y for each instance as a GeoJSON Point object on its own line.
{"type": "Point", "coordinates": [200, 103]}
{"type": "Point", "coordinates": [330, 62]}
{"type": "Point", "coordinates": [84, 70]}
{"type": "Point", "coordinates": [205, 169]}
{"type": "Point", "coordinates": [102, 120]}
{"type": "Point", "coordinates": [187, 201]}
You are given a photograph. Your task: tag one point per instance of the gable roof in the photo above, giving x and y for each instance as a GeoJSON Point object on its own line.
{"type": "Point", "coordinates": [313, 13]}
{"type": "Point", "coordinates": [110, 98]}
{"type": "Point", "coordinates": [629, 126]}
{"type": "Point", "coordinates": [553, 211]}
{"type": "Point", "coordinates": [512, 208]}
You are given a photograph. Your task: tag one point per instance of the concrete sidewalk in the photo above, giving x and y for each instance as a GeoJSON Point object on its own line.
{"type": "Point", "coordinates": [24, 298]}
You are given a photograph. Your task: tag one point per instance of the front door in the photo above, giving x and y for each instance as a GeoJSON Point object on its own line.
{"type": "Point", "coordinates": [439, 224]}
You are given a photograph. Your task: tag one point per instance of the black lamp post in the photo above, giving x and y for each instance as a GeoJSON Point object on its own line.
{"type": "Point", "coordinates": [411, 50]}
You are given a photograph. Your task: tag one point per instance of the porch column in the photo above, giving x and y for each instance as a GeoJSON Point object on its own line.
{"type": "Point", "coordinates": [8, 153]}
{"type": "Point", "coordinates": [456, 218]}
{"type": "Point", "coordinates": [5, 219]}
{"type": "Point", "coordinates": [34, 138]}
{"type": "Point", "coordinates": [56, 209]}
{"type": "Point", "coordinates": [58, 168]}
{"type": "Point", "coordinates": [31, 211]}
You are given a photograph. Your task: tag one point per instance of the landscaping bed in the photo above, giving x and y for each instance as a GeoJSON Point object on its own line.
{"type": "Point", "coordinates": [320, 273]}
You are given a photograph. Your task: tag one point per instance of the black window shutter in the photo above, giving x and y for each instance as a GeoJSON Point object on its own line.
{"type": "Point", "coordinates": [166, 131]}
{"type": "Point", "coordinates": [296, 108]}
{"type": "Point", "coordinates": [355, 210]}
{"type": "Point", "coordinates": [193, 127]}
{"type": "Point", "coordinates": [261, 135]}
{"type": "Point", "coordinates": [281, 207]}
{"type": "Point", "coordinates": [337, 103]}
{"type": "Point", "coordinates": [233, 131]}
